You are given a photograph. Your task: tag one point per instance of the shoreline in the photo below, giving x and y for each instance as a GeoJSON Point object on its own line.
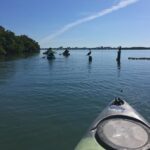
{"type": "Point", "coordinates": [111, 49]}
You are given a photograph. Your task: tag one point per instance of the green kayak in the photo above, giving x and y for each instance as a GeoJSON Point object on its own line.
{"type": "Point", "coordinates": [118, 127]}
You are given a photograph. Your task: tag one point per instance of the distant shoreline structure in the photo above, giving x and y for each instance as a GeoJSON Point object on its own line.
{"type": "Point", "coordinates": [98, 48]}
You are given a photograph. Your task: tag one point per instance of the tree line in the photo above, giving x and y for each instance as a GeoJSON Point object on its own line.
{"type": "Point", "coordinates": [11, 44]}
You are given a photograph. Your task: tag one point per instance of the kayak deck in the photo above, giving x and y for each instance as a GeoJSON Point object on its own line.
{"type": "Point", "coordinates": [119, 126]}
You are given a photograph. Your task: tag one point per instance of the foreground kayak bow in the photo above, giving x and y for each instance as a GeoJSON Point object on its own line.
{"type": "Point", "coordinates": [118, 127]}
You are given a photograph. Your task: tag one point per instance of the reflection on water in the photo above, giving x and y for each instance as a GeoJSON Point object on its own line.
{"type": "Point", "coordinates": [43, 102]}
{"type": "Point", "coordinates": [7, 70]}
{"type": "Point", "coordinates": [89, 66]}
{"type": "Point", "coordinates": [119, 65]}
{"type": "Point", "coordinates": [17, 57]}
{"type": "Point", "coordinates": [50, 62]}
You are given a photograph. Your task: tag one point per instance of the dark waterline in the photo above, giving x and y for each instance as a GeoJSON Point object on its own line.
{"type": "Point", "coordinates": [50, 104]}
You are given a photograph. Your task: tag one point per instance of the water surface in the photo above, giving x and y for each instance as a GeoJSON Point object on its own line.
{"type": "Point", "coordinates": [50, 104]}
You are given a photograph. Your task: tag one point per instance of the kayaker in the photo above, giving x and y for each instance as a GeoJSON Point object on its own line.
{"type": "Point", "coordinates": [66, 52]}
{"type": "Point", "coordinates": [50, 54]}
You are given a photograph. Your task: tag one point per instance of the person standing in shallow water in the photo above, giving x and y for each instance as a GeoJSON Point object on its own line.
{"type": "Point", "coordinates": [118, 54]}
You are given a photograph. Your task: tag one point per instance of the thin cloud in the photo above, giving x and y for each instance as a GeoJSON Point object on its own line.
{"type": "Point", "coordinates": [120, 5]}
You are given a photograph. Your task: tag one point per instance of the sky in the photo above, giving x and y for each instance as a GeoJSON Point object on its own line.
{"type": "Point", "coordinates": [43, 20]}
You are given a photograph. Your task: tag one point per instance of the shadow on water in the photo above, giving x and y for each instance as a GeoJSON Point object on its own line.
{"type": "Point", "coordinates": [119, 67]}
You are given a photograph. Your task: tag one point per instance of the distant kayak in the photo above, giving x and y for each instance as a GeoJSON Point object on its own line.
{"type": "Point", "coordinates": [66, 54]}
{"type": "Point", "coordinates": [118, 127]}
{"type": "Point", "coordinates": [49, 57]}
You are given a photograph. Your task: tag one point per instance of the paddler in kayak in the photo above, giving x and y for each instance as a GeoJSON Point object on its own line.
{"type": "Point", "coordinates": [50, 54]}
{"type": "Point", "coordinates": [66, 52]}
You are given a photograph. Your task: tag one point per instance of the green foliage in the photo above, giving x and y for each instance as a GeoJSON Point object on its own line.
{"type": "Point", "coordinates": [12, 44]}
{"type": "Point", "coordinates": [2, 51]}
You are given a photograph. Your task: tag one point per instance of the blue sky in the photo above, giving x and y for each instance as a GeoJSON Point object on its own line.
{"type": "Point", "coordinates": [129, 26]}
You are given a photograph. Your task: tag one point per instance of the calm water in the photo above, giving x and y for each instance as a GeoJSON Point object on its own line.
{"type": "Point", "coordinates": [48, 105]}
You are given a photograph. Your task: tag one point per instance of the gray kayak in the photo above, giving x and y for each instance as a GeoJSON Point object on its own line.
{"type": "Point", "coordinates": [118, 127]}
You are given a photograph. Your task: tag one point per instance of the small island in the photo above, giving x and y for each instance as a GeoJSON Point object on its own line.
{"type": "Point", "coordinates": [11, 44]}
